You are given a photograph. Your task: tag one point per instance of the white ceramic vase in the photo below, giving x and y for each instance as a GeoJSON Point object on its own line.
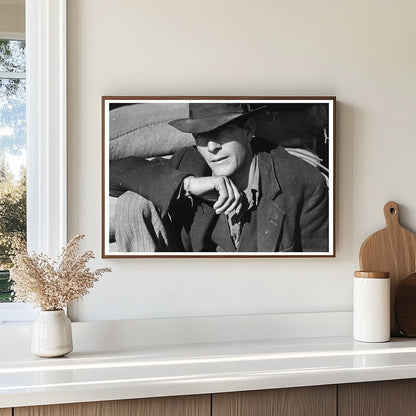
{"type": "Point", "coordinates": [52, 334]}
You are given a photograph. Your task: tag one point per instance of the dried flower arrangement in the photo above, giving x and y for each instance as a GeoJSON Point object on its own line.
{"type": "Point", "coordinates": [53, 285]}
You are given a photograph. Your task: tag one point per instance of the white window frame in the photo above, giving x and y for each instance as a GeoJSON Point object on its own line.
{"type": "Point", "coordinates": [46, 134]}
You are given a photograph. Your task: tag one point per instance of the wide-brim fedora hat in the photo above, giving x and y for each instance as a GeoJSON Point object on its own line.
{"type": "Point", "coordinates": [205, 117]}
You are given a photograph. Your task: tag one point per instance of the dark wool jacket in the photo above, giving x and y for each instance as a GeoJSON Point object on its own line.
{"type": "Point", "coordinates": [291, 216]}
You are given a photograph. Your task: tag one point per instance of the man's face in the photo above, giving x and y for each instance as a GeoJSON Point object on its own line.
{"type": "Point", "coordinates": [227, 150]}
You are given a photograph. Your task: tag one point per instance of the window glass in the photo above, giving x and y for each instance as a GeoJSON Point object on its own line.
{"type": "Point", "coordinates": [12, 56]}
{"type": "Point", "coordinates": [12, 156]}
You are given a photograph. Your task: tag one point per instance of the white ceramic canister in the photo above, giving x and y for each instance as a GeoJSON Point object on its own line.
{"type": "Point", "coordinates": [371, 310]}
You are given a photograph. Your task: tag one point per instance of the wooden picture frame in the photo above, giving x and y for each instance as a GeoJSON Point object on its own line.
{"type": "Point", "coordinates": [152, 173]}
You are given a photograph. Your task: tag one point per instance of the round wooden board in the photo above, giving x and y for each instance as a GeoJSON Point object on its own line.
{"type": "Point", "coordinates": [393, 250]}
{"type": "Point", "coordinates": [405, 306]}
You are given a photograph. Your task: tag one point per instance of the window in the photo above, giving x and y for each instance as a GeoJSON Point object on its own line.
{"type": "Point", "coordinates": [12, 165]}
{"type": "Point", "coordinates": [46, 135]}
{"type": "Point", "coordinates": [12, 154]}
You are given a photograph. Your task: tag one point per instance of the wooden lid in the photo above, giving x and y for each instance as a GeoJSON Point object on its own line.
{"type": "Point", "coordinates": [372, 275]}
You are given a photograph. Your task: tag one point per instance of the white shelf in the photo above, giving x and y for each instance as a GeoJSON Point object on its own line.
{"type": "Point", "coordinates": [151, 371]}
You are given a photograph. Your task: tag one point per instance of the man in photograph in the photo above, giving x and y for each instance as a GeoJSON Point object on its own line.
{"type": "Point", "coordinates": [222, 195]}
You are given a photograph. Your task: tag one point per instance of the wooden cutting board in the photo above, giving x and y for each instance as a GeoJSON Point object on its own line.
{"type": "Point", "coordinates": [393, 250]}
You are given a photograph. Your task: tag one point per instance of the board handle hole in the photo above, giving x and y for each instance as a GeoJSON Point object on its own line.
{"type": "Point", "coordinates": [392, 211]}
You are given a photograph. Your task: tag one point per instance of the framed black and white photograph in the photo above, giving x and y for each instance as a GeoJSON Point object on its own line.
{"type": "Point", "coordinates": [218, 177]}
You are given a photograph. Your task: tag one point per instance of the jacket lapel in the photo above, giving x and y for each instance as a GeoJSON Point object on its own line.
{"type": "Point", "coordinates": [221, 234]}
{"type": "Point", "coordinates": [270, 217]}
{"type": "Point", "coordinates": [208, 228]}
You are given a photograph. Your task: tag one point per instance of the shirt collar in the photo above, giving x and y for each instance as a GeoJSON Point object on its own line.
{"type": "Point", "coordinates": [253, 185]}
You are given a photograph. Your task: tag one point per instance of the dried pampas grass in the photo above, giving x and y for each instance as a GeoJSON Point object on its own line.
{"type": "Point", "coordinates": [53, 285]}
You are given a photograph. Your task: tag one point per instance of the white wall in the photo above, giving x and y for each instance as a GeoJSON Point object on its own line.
{"type": "Point", "coordinates": [361, 51]}
{"type": "Point", "coordinates": [12, 17]}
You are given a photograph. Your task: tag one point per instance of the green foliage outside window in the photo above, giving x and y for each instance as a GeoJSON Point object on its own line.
{"type": "Point", "coordinates": [12, 148]}
{"type": "Point", "coordinates": [12, 223]}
